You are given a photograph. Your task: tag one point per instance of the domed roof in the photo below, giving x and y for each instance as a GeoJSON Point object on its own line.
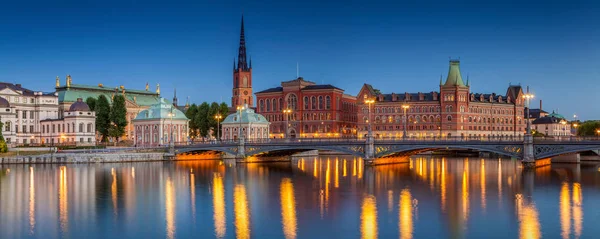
{"type": "Point", "coordinates": [556, 115]}
{"type": "Point", "coordinates": [79, 105]}
{"type": "Point", "coordinates": [4, 103]}
{"type": "Point", "coordinates": [162, 110]}
{"type": "Point", "coordinates": [248, 116]}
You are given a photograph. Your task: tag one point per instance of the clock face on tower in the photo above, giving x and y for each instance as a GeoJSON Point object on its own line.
{"type": "Point", "coordinates": [245, 92]}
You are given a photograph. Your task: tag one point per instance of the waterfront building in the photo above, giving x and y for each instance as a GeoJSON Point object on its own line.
{"type": "Point", "coordinates": [21, 111]}
{"type": "Point", "coordinates": [453, 111]}
{"type": "Point", "coordinates": [253, 125]}
{"type": "Point", "coordinates": [160, 124]}
{"type": "Point", "coordinates": [311, 110]}
{"type": "Point", "coordinates": [76, 126]}
{"type": "Point", "coordinates": [553, 124]}
{"type": "Point", "coordinates": [135, 100]}
{"type": "Point", "coordinates": [242, 77]}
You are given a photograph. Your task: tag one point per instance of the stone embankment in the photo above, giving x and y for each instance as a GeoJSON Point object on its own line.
{"type": "Point", "coordinates": [114, 157]}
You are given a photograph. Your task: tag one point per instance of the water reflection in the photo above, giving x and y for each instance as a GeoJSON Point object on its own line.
{"type": "Point", "coordinates": [288, 208]}
{"type": "Point", "coordinates": [368, 218]}
{"type": "Point", "coordinates": [242, 214]}
{"type": "Point", "coordinates": [322, 197]}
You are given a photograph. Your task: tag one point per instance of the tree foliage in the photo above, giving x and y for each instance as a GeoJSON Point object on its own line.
{"type": "Point", "coordinates": [190, 114]}
{"type": "Point", "coordinates": [102, 109]}
{"type": "Point", "coordinates": [91, 102]}
{"type": "Point", "coordinates": [3, 146]}
{"type": "Point", "coordinates": [118, 117]}
{"type": "Point", "coordinates": [588, 128]}
{"type": "Point", "coordinates": [201, 119]}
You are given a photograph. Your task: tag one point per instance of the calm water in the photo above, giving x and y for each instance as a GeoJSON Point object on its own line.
{"type": "Point", "coordinates": [325, 197]}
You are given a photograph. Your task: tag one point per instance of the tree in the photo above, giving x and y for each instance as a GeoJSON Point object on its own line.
{"type": "Point", "coordinates": [3, 146]}
{"type": "Point", "coordinates": [190, 114]}
{"type": "Point", "coordinates": [118, 117]}
{"type": "Point", "coordinates": [224, 109]}
{"type": "Point", "coordinates": [102, 109]}
{"type": "Point", "coordinates": [91, 102]}
{"type": "Point", "coordinates": [212, 121]}
{"type": "Point", "coordinates": [201, 119]}
{"type": "Point", "coordinates": [588, 128]}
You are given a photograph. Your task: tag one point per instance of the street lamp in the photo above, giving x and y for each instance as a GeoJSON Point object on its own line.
{"type": "Point", "coordinates": [240, 135]}
{"type": "Point", "coordinates": [218, 117]}
{"type": "Point", "coordinates": [528, 96]}
{"type": "Point", "coordinates": [171, 114]}
{"type": "Point", "coordinates": [286, 113]}
{"type": "Point", "coordinates": [369, 128]}
{"type": "Point", "coordinates": [405, 107]}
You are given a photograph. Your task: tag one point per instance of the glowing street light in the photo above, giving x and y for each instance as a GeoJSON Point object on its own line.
{"type": "Point", "coordinates": [370, 102]}
{"type": "Point", "coordinates": [286, 113]}
{"type": "Point", "coordinates": [528, 96]}
{"type": "Point", "coordinates": [405, 107]}
{"type": "Point", "coordinates": [218, 117]}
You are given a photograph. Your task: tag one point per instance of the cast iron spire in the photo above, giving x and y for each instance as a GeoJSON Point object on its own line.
{"type": "Point", "coordinates": [242, 64]}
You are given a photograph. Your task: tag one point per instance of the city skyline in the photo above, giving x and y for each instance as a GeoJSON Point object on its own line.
{"type": "Point", "coordinates": [403, 48]}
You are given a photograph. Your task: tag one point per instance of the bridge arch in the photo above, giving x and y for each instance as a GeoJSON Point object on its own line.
{"type": "Point", "coordinates": [352, 150]}
{"type": "Point", "coordinates": [229, 150]}
{"type": "Point", "coordinates": [506, 150]}
{"type": "Point", "coordinates": [549, 151]}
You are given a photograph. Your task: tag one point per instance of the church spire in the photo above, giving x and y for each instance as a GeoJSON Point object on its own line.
{"type": "Point", "coordinates": [175, 97]}
{"type": "Point", "coordinates": [242, 64]}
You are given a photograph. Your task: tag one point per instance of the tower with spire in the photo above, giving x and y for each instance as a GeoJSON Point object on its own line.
{"type": "Point", "coordinates": [175, 97]}
{"type": "Point", "coordinates": [242, 75]}
{"type": "Point", "coordinates": [454, 99]}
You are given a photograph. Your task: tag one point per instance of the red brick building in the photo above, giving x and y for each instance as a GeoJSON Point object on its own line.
{"type": "Point", "coordinates": [453, 111]}
{"type": "Point", "coordinates": [317, 110]}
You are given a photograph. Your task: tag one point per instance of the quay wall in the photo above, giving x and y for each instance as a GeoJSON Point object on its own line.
{"type": "Point", "coordinates": [83, 158]}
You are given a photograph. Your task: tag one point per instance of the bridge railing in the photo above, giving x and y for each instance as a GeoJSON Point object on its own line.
{"type": "Point", "coordinates": [566, 139]}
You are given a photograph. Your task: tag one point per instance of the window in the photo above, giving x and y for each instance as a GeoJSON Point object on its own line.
{"type": "Point", "coordinates": [280, 105]}
{"type": "Point", "coordinates": [7, 126]}
{"type": "Point", "coordinates": [32, 101]}
{"type": "Point", "coordinates": [449, 118]}
{"type": "Point", "coordinates": [16, 129]}
{"type": "Point", "coordinates": [53, 129]}
{"type": "Point", "coordinates": [268, 102]}
{"type": "Point", "coordinates": [327, 102]}
{"type": "Point", "coordinates": [31, 128]}
{"type": "Point", "coordinates": [306, 102]}
{"type": "Point", "coordinates": [80, 127]}
{"type": "Point", "coordinates": [89, 128]}
{"type": "Point", "coordinates": [320, 102]}
{"type": "Point", "coordinates": [24, 114]}
{"type": "Point", "coordinates": [81, 140]}
{"type": "Point", "coordinates": [292, 101]}
{"type": "Point", "coordinates": [261, 104]}
{"type": "Point", "coordinates": [24, 128]}
{"type": "Point", "coordinates": [59, 129]}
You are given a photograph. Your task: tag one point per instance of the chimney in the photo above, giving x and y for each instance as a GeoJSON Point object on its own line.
{"type": "Point", "coordinates": [18, 85]}
{"type": "Point", "coordinates": [394, 97]}
{"type": "Point", "coordinates": [540, 105]}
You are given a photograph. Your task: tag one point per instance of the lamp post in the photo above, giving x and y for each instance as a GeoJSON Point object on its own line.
{"type": "Point", "coordinates": [171, 141]}
{"type": "Point", "coordinates": [218, 117]}
{"type": "Point", "coordinates": [405, 107]}
{"type": "Point", "coordinates": [369, 128]}
{"type": "Point", "coordinates": [240, 135]}
{"type": "Point", "coordinates": [528, 96]}
{"type": "Point", "coordinates": [286, 113]}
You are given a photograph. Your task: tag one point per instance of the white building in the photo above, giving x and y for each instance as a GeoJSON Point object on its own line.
{"type": "Point", "coordinates": [21, 112]}
{"type": "Point", "coordinates": [156, 125]}
{"type": "Point", "coordinates": [253, 125]}
{"type": "Point", "coordinates": [552, 125]}
{"type": "Point", "coordinates": [76, 127]}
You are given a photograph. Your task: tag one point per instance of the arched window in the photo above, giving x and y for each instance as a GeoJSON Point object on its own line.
{"type": "Point", "coordinates": [261, 105]}
{"type": "Point", "coordinates": [320, 102]}
{"type": "Point", "coordinates": [81, 127]}
{"type": "Point", "coordinates": [305, 102]}
{"type": "Point", "coordinates": [305, 126]}
{"type": "Point", "coordinates": [449, 118]}
{"type": "Point", "coordinates": [365, 119]}
{"type": "Point", "coordinates": [268, 102]}
{"type": "Point", "coordinates": [313, 101]}
{"type": "Point", "coordinates": [327, 102]}
{"type": "Point", "coordinates": [280, 104]}
{"type": "Point", "coordinates": [292, 101]}
{"type": "Point", "coordinates": [89, 128]}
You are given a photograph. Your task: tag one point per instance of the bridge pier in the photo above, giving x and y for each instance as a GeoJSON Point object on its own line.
{"type": "Point", "coordinates": [528, 156]}
{"type": "Point", "coordinates": [369, 149]}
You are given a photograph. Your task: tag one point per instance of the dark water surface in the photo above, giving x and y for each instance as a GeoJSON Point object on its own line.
{"type": "Point", "coordinates": [324, 197]}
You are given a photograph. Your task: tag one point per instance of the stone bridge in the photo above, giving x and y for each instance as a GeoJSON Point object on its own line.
{"type": "Point", "coordinates": [540, 148]}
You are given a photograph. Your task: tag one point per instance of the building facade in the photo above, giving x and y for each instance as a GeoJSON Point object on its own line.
{"type": "Point", "coordinates": [242, 76]}
{"type": "Point", "coordinates": [552, 125]}
{"type": "Point", "coordinates": [453, 111]}
{"type": "Point", "coordinates": [316, 110]}
{"type": "Point", "coordinates": [252, 125]}
{"type": "Point", "coordinates": [21, 111]}
{"type": "Point", "coordinates": [77, 126]}
{"type": "Point", "coordinates": [135, 100]}
{"type": "Point", "coordinates": [161, 124]}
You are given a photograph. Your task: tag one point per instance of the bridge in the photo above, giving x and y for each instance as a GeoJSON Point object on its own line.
{"type": "Point", "coordinates": [527, 149]}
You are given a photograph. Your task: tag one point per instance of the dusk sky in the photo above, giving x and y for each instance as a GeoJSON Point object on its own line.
{"type": "Point", "coordinates": [552, 46]}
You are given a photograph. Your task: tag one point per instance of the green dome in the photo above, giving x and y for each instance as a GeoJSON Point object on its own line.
{"type": "Point", "coordinates": [248, 116]}
{"type": "Point", "coordinates": [161, 111]}
{"type": "Point", "coordinates": [556, 115]}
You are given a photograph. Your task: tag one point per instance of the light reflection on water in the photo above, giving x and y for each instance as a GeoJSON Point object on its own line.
{"type": "Point", "coordinates": [324, 197]}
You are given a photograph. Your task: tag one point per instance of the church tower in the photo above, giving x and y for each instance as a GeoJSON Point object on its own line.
{"type": "Point", "coordinates": [242, 76]}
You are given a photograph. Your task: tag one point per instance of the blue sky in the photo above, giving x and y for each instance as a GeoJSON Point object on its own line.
{"type": "Point", "coordinates": [552, 46]}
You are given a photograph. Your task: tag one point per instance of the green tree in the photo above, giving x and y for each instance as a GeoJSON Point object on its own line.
{"type": "Point", "coordinates": [190, 114]}
{"type": "Point", "coordinates": [102, 109]}
{"type": "Point", "coordinates": [3, 146]}
{"type": "Point", "coordinates": [224, 109]}
{"type": "Point", "coordinates": [201, 119]}
{"type": "Point", "coordinates": [118, 117]}
{"type": "Point", "coordinates": [588, 128]}
{"type": "Point", "coordinates": [91, 102]}
{"type": "Point", "coordinates": [212, 120]}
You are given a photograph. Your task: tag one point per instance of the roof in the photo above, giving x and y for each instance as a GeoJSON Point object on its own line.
{"type": "Point", "coordinates": [548, 120]}
{"type": "Point", "coordinates": [4, 103]}
{"type": "Point", "coordinates": [248, 116]}
{"type": "Point", "coordinates": [534, 113]}
{"type": "Point", "coordinates": [270, 90]}
{"type": "Point", "coordinates": [556, 115]}
{"type": "Point", "coordinates": [161, 110]}
{"type": "Point", "coordinates": [454, 78]}
{"type": "Point", "coordinates": [79, 106]}
{"type": "Point", "coordinates": [139, 97]}
{"type": "Point", "coordinates": [17, 87]}
{"type": "Point", "coordinates": [320, 87]}
{"type": "Point", "coordinates": [513, 91]}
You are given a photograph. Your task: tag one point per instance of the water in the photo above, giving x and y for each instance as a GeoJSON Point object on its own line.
{"type": "Point", "coordinates": [326, 197]}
